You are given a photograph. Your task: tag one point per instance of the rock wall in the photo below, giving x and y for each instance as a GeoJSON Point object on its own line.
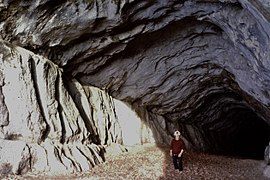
{"type": "Point", "coordinates": [200, 66]}
{"type": "Point", "coordinates": [48, 122]}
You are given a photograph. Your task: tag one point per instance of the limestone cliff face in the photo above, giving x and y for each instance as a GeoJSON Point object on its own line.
{"type": "Point", "coordinates": [197, 65]}
{"type": "Point", "coordinates": [49, 122]}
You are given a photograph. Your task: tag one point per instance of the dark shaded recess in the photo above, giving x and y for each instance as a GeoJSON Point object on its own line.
{"type": "Point", "coordinates": [242, 133]}
{"type": "Point", "coordinates": [236, 131]}
{"type": "Point", "coordinates": [52, 5]}
{"type": "Point", "coordinates": [252, 135]}
{"type": "Point", "coordinates": [134, 7]}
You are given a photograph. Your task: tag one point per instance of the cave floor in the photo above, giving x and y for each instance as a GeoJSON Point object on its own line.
{"type": "Point", "coordinates": [151, 162]}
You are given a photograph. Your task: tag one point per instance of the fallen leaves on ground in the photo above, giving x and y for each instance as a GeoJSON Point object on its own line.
{"type": "Point", "coordinates": [149, 162]}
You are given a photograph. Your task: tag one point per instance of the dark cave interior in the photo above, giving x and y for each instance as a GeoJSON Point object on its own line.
{"type": "Point", "coordinates": [244, 134]}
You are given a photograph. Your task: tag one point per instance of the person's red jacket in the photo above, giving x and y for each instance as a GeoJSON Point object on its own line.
{"type": "Point", "coordinates": [177, 146]}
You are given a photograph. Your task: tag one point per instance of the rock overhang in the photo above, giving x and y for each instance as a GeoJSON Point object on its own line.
{"type": "Point", "coordinates": [188, 63]}
{"type": "Point", "coordinates": [175, 70]}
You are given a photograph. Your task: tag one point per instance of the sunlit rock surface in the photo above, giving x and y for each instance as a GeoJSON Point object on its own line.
{"type": "Point", "coordinates": [200, 66]}
{"type": "Point", "coordinates": [52, 123]}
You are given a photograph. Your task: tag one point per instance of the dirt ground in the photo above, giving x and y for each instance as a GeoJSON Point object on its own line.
{"type": "Point", "coordinates": [152, 162]}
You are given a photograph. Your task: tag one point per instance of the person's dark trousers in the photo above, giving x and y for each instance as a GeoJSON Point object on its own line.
{"type": "Point", "coordinates": [177, 162]}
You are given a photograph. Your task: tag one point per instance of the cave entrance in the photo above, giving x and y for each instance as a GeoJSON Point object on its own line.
{"type": "Point", "coordinates": [251, 136]}
{"type": "Point", "coordinates": [246, 137]}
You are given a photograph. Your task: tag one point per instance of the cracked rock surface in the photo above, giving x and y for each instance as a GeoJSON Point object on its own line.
{"type": "Point", "coordinates": [200, 66]}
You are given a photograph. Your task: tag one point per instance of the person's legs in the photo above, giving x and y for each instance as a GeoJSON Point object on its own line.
{"type": "Point", "coordinates": [175, 162]}
{"type": "Point", "coordinates": [180, 163]}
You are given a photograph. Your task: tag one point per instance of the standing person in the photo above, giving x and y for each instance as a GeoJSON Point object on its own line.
{"type": "Point", "coordinates": [177, 150]}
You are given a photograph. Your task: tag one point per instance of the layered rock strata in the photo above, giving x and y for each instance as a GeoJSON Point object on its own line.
{"type": "Point", "coordinates": [201, 66]}
{"type": "Point", "coordinates": [49, 122]}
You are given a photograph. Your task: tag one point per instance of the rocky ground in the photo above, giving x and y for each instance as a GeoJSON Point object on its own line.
{"type": "Point", "coordinates": [151, 162]}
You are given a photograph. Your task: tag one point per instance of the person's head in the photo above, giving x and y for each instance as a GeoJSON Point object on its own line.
{"type": "Point", "coordinates": [176, 134]}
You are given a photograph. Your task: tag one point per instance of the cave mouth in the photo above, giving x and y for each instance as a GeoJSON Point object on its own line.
{"type": "Point", "coordinates": [246, 136]}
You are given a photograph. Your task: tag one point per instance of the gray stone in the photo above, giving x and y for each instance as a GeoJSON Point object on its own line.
{"type": "Point", "coordinates": [199, 66]}
{"type": "Point", "coordinates": [3, 107]}
{"type": "Point", "coordinates": [14, 157]}
{"type": "Point", "coordinates": [267, 155]}
{"type": "Point", "coordinates": [57, 125]}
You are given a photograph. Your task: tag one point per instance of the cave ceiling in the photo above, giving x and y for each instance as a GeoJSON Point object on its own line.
{"type": "Point", "coordinates": [188, 61]}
